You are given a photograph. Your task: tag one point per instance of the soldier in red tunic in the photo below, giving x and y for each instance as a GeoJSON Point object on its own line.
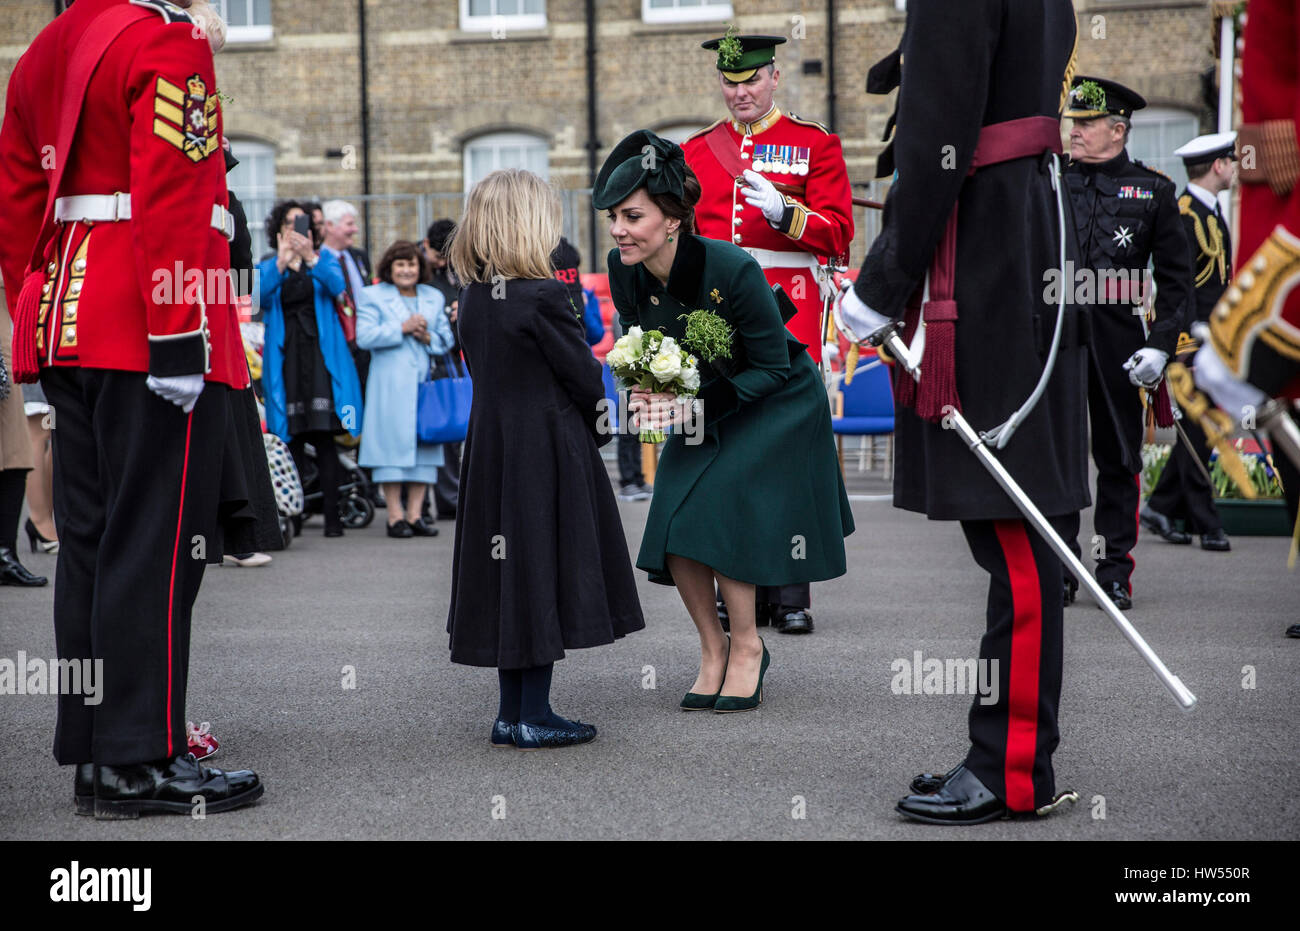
{"type": "Point", "coordinates": [1253, 352]}
{"type": "Point", "coordinates": [776, 185]}
{"type": "Point", "coordinates": [114, 245]}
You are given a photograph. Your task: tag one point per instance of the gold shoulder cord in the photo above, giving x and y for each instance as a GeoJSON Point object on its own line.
{"type": "Point", "coordinates": [1216, 423]}
{"type": "Point", "coordinates": [1211, 245]}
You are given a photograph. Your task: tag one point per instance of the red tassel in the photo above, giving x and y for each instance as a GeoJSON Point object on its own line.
{"type": "Point", "coordinates": [26, 367]}
{"type": "Point", "coordinates": [938, 387]}
{"type": "Point", "coordinates": [1162, 406]}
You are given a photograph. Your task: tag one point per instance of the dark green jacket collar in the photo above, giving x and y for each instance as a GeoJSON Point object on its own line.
{"type": "Point", "coordinates": [685, 275]}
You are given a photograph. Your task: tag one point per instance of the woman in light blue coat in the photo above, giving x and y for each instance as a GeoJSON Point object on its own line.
{"type": "Point", "coordinates": [401, 321]}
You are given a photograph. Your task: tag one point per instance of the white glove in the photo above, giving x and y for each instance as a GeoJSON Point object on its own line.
{"type": "Point", "coordinates": [1146, 366]}
{"type": "Point", "coordinates": [830, 352]}
{"type": "Point", "coordinates": [1212, 376]}
{"type": "Point", "coordinates": [855, 319]}
{"type": "Point", "coordinates": [181, 390]}
{"type": "Point", "coordinates": [763, 195]}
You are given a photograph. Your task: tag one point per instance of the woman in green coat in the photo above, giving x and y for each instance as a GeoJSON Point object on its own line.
{"type": "Point", "coordinates": [749, 492]}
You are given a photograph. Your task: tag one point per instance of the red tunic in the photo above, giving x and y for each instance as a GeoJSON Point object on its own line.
{"type": "Point", "coordinates": [154, 288]}
{"type": "Point", "coordinates": [818, 221]}
{"type": "Point", "coordinates": [1256, 327]}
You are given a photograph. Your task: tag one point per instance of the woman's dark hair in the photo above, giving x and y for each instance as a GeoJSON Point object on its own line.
{"type": "Point", "coordinates": [275, 220]}
{"type": "Point", "coordinates": [682, 208]}
{"type": "Point", "coordinates": [403, 249]}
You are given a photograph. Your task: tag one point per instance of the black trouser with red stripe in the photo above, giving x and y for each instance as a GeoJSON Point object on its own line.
{"type": "Point", "coordinates": [1012, 739]}
{"type": "Point", "coordinates": [1119, 490]}
{"type": "Point", "coordinates": [136, 488]}
{"type": "Point", "coordinates": [1182, 492]}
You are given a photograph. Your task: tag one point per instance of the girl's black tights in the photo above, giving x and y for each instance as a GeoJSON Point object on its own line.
{"type": "Point", "coordinates": [526, 696]}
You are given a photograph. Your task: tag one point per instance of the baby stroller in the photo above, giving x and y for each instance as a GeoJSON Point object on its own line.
{"type": "Point", "coordinates": [301, 496]}
{"type": "Point", "coordinates": [356, 510]}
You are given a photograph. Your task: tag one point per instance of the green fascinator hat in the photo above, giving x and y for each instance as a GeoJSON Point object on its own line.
{"type": "Point", "coordinates": [641, 160]}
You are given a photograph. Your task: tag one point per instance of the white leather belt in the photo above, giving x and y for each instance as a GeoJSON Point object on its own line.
{"type": "Point", "coordinates": [110, 208]}
{"type": "Point", "coordinates": [773, 258]}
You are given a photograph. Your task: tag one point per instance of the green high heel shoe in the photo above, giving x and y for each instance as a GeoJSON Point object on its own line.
{"type": "Point", "coordinates": [728, 703]}
{"type": "Point", "coordinates": [694, 701]}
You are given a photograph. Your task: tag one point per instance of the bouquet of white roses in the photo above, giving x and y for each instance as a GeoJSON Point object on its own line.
{"type": "Point", "coordinates": [651, 360]}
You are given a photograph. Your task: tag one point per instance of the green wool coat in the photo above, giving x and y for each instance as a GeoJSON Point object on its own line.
{"type": "Point", "coordinates": [760, 499]}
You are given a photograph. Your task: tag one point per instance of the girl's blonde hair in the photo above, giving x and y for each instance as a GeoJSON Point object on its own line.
{"type": "Point", "coordinates": [510, 227]}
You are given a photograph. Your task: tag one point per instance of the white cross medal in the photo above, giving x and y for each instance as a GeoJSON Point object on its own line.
{"type": "Point", "coordinates": [1123, 237]}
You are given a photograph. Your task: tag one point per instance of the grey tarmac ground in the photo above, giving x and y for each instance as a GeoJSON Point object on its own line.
{"type": "Point", "coordinates": [405, 754]}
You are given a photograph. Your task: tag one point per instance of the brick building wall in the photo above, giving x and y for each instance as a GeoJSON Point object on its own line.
{"type": "Point", "coordinates": [434, 88]}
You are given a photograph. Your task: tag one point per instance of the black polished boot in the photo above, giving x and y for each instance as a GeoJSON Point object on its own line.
{"type": "Point", "coordinates": [169, 787]}
{"type": "Point", "coordinates": [12, 572]}
{"type": "Point", "coordinates": [1154, 520]}
{"type": "Point", "coordinates": [790, 619]}
{"type": "Point", "coordinates": [1118, 593]}
{"type": "Point", "coordinates": [962, 799]}
{"type": "Point", "coordinates": [926, 783]}
{"type": "Point", "coordinates": [83, 789]}
{"type": "Point", "coordinates": [1216, 541]}
{"type": "Point", "coordinates": [1071, 591]}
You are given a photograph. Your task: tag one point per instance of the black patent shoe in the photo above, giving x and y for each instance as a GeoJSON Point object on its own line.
{"type": "Point", "coordinates": [170, 787]}
{"type": "Point", "coordinates": [925, 783]}
{"type": "Point", "coordinates": [421, 529]}
{"type": "Point", "coordinates": [1216, 541]}
{"type": "Point", "coordinates": [503, 734]}
{"type": "Point", "coordinates": [1071, 591]}
{"type": "Point", "coordinates": [12, 572]}
{"type": "Point", "coordinates": [1293, 631]}
{"type": "Point", "coordinates": [961, 799]}
{"type": "Point", "coordinates": [543, 736]}
{"type": "Point", "coordinates": [83, 789]}
{"type": "Point", "coordinates": [400, 530]}
{"type": "Point", "coordinates": [1154, 520]}
{"type": "Point", "coordinates": [792, 620]}
{"type": "Point", "coordinates": [1118, 593]}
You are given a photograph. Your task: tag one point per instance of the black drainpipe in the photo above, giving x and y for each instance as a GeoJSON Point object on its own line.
{"type": "Point", "coordinates": [830, 64]}
{"type": "Point", "coordinates": [593, 144]}
{"type": "Point", "coordinates": [365, 121]}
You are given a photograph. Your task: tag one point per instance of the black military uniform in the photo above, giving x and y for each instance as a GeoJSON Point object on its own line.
{"type": "Point", "coordinates": [1013, 60]}
{"type": "Point", "coordinates": [1183, 491]}
{"type": "Point", "coordinates": [1125, 215]}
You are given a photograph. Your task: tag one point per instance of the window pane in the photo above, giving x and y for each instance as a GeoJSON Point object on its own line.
{"type": "Point", "coordinates": [536, 7]}
{"type": "Point", "coordinates": [238, 13]}
{"type": "Point", "coordinates": [262, 12]}
{"type": "Point", "coordinates": [480, 7]}
{"type": "Point", "coordinates": [508, 7]}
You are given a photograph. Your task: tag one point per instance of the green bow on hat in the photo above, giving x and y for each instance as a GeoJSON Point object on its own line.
{"type": "Point", "coordinates": [642, 159]}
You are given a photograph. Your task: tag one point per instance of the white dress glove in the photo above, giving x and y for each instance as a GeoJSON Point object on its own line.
{"type": "Point", "coordinates": [1212, 376]}
{"type": "Point", "coordinates": [855, 319]}
{"type": "Point", "coordinates": [181, 390]}
{"type": "Point", "coordinates": [763, 195]}
{"type": "Point", "coordinates": [1146, 366]}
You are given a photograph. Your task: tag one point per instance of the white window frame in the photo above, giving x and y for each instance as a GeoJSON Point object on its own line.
{"type": "Point", "coordinates": [1166, 118]}
{"type": "Point", "coordinates": [704, 11]}
{"type": "Point", "coordinates": [494, 21]}
{"type": "Point", "coordinates": [498, 140]}
{"type": "Point", "coordinates": [261, 32]}
{"type": "Point", "coordinates": [257, 202]}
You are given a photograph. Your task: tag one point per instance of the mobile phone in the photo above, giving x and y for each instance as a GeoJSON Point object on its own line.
{"type": "Point", "coordinates": [302, 225]}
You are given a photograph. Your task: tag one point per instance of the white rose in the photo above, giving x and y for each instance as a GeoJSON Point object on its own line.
{"type": "Point", "coordinates": [633, 342]}
{"type": "Point", "coordinates": [666, 366]}
{"type": "Point", "coordinates": [691, 378]}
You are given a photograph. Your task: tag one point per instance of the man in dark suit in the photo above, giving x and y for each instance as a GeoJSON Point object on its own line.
{"type": "Point", "coordinates": [1125, 215]}
{"type": "Point", "coordinates": [340, 234]}
{"type": "Point", "coordinates": [1183, 491]}
{"type": "Point", "coordinates": [986, 75]}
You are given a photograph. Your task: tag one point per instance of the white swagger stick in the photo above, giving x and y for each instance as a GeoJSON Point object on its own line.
{"type": "Point", "coordinates": [889, 338]}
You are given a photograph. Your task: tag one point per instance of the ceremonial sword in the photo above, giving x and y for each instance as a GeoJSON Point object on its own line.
{"type": "Point", "coordinates": [888, 337]}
